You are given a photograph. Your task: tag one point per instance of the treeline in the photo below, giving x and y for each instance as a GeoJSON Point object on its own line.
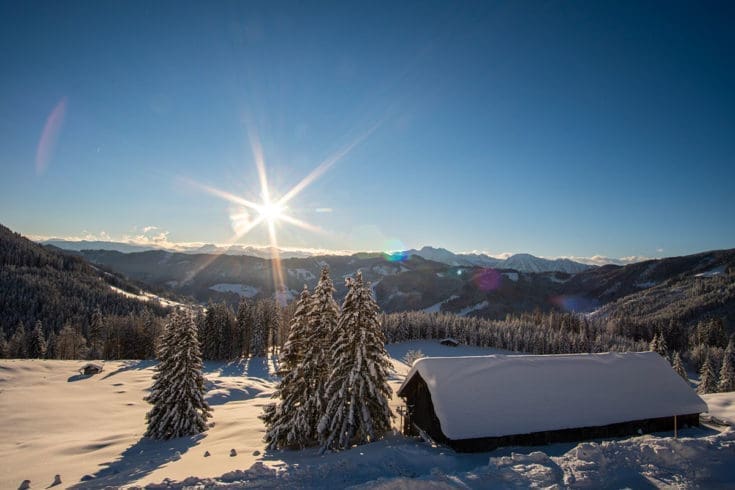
{"type": "Point", "coordinates": [532, 333]}
{"type": "Point", "coordinates": [253, 329]}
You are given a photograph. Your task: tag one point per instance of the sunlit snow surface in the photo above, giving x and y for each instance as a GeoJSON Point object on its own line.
{"type": "Point", "coordinates": [55, 421]}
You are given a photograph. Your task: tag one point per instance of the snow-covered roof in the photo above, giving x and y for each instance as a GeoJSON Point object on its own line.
{"type": "Point", "coordinates": [491, 396]}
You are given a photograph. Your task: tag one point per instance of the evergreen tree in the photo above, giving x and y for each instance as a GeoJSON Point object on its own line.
{"type": "Point", "coordinates": [662, 348]}
{"type": "Point", "coordinates": [178, 390]}
{"type": "Point", "coordinates": [707, 378]}
{"type": "Point", "coordinates": [653, 346]}
{"type": "Point", "coordinates": [3, 346]}
{"type": "Point", "coordinates": [358, 391]}
{"type": "Point", "coordinates": [210, 333]}
{"type": "Point", "coordinates": [727, 371]}
{"type": "Point", "coordinates": [679, 367]}
{"type": "Point", "coordinates": [17, 347]}
{"type": "Point", "coordinates": [259, 339]}
{"type": "Point", "coordinates": [96, 328]}
{"type": "Point", "coordinates": [244, 323]}
{"type": "Point", "coordinates": [322, 319]}
{"type": "Point", "coordinates": [286, 422]}
{"type": "Point", "coordinates": [37, 342]}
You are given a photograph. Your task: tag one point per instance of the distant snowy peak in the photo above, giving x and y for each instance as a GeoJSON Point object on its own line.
{"type": "Point", "coordinates": [450, 258]}
{"type": "Point", "coordinates": [529, 263]}
{"type": "Point", "coordinates": [519, 262]}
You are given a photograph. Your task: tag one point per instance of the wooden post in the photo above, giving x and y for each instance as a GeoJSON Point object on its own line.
{"type": "Point", "coordinates": [676, 434]}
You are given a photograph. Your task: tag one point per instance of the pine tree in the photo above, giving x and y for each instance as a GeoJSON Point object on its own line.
{"type": "Point", "coordinates": [96, 327]}
{"type": "Point", "coordinates": [707, 378]}
{"type": "Point", "coordinates": [244, 322]}
{"type": "Point", "coordinates": [177, 395]}
{"type": "Point", "coordinates": [37, 342]}
{"type": "Point", "coordinates": [662, 348]}
{"type": "Point", "coordinates": [17, 347]}
{"type": "Point", "coordinates": [653, 346]}
{"type": "Point", "coordinates": [679, 367]}
{"type": "Point", "coordinates": [727, 371]}
{"type": "Point", "coordinates": [322, 318]}
{"type": "Point", "coordinates": [259, 339]}
{"type": "Point", "coordinates": [358, 391]}
{"type": "Point", "coordinates": [286, 422]}
{"type": "Point", "coordinates": [3, 346]}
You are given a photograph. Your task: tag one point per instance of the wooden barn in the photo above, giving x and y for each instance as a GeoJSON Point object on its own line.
{"type": "Point", "coordinates": [481, 403]}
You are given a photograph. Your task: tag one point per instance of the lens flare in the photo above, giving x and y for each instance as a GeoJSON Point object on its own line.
{"type": "Point", "coordinates": [49, 136]}
{"type": "Point", "coordinates": [486, 280]}
{"type": "Point", "coordinates": [394, 250]}
{"type": "Point", "coordinates": [574, 303]}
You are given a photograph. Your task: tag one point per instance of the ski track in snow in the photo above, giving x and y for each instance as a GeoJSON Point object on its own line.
{"type": "Point", "coordinates": [56, 421]}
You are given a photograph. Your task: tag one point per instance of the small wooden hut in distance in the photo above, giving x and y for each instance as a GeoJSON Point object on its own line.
{"type": "Point", "coordinates": [481, 403]}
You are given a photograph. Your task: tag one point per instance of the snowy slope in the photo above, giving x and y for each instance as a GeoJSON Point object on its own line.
{"type": "Point", "coordinates": [55, 421]}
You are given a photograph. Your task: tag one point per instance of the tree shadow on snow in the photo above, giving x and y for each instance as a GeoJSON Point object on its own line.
{"type": "Point", "coordinates": [130, 366]}
{"type": "Point", "coordinates": [137, 461]}
{"type": "Point", "coordinates": [252, 367]}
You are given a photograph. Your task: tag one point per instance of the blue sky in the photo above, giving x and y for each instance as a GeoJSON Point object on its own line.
{"type": "Point", "coordinates": [554, 128]}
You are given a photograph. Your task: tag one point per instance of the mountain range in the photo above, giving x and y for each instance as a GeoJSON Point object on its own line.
{"type": "Point", "coordinates": [684, 288]}
{"type": "Point", "coordinates": [520, 262]}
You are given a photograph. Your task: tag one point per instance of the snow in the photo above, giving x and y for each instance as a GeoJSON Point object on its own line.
{"type": "Point", "coordinates": [513, 276]}
{"type": "Point", "coordinates": [470, 309]}
{"type": "Point", "coordinates": [302, 274]}
{"type": "Point", "coordinates": [721, 406]}
{"type": "Point", "coordinates": [48, 428]}
{"type": "Point", "coordinates": [244, 290]}
{"type": "Point", "coordinates": [436, 308]}
{"type": "Point", "coordinates": [145, 296]}
{"type": "Point", "coordinates": [543, 393]}
{"type": "Point", "coordinates": [712, 273]}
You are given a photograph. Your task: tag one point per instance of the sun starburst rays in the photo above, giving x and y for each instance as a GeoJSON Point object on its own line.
{"type": "Point", "coordinates": [269, 211]}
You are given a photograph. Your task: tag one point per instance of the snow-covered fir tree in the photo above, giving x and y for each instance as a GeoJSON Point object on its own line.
{"type": "Point", "coordinates": [322, 320]}
{"type": "Point", "coordinates": [259, 338]}
{"type": "Point", "coordinates": [358, 391]}
{"type": "Point", "coordinates": [36, 342]}
{"type": "Point", "coordinates": [727, 371]}
{"type": "Point", "coordinates": [244, 322]}
{"type": "Point", "coordinates": [286, 421]}
{"type": "Point", "coordinates": [707, 378]}
{"type": "Point", "coordinates": [177, 395]}
{"type": "Point", "coordinates": [678, 366]}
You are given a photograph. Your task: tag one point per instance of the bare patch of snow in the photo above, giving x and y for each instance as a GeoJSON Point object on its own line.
{"type": "Point", "coordinates": [712, 273]}
{"type": "Point", "coordinates": [436, 308]}
{"type": "Point", "coordinates": [513, 276]}
{"type": "Point", "coordinates": [470, 309]}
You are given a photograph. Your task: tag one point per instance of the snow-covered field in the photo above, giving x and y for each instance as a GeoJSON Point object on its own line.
{"type": "Point", "coordinates": [89, 430]}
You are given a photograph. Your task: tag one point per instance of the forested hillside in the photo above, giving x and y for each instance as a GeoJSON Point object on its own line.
{"type": "Point", "coordinates": [45, 285]}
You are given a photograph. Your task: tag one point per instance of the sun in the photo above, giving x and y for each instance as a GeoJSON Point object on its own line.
{"type": "Point", "coordinates": [271, 212]}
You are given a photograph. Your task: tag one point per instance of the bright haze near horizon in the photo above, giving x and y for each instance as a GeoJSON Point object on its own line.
{"type": "Point", "coordinates": [555, 128]}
